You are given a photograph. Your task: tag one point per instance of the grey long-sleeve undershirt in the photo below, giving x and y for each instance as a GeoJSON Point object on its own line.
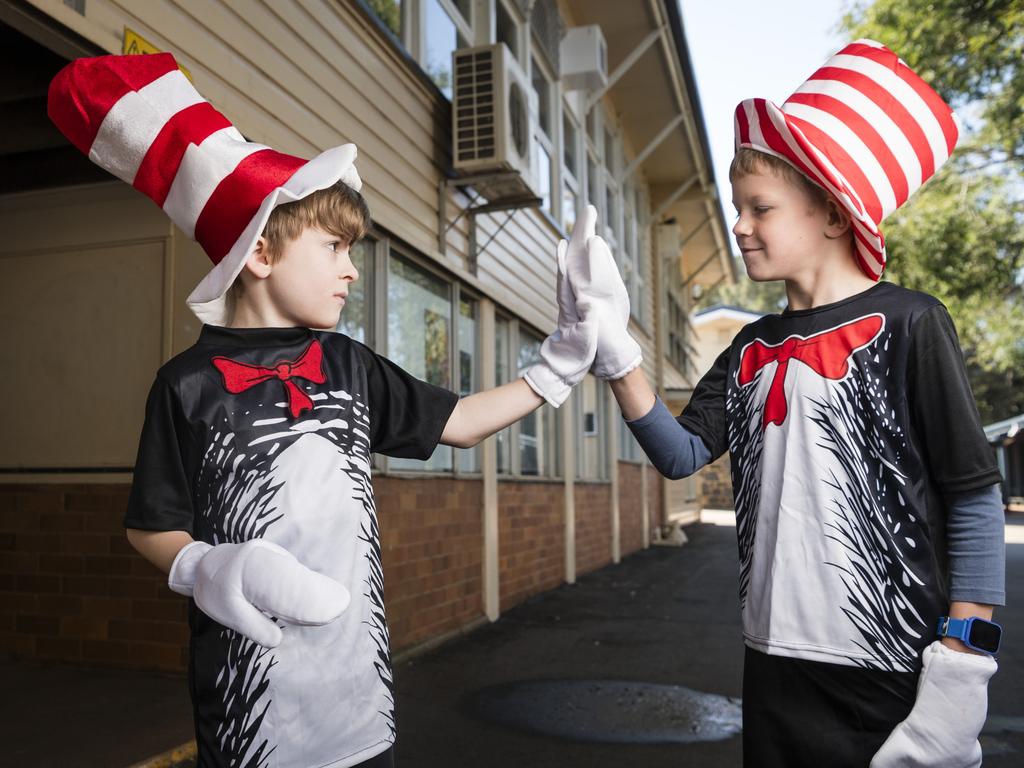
{"type": "Point", "coordinates": [974, 527]}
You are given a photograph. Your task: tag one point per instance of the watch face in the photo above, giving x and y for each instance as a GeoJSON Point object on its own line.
{"type": "Point", "coordinates": [985, 635]}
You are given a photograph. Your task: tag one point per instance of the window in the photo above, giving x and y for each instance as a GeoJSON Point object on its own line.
{"type": "Point", "coordinates": [502, 375]}
{"type": "Point", "coordinates": [529, 446]}
{"type": "Point", "coordinates": [591, 448]}
{"type": "Point", "coordinates": [629, 448]}
{"type": "Point", "coordinates": [468, 460]}
{"type": "Point", "coordinates": [612, 222]}
{"type": "Point", "coordinates": [544, 144]}
{"type": "Point", "coordinates": [570, 170]}
{"type": "Point", "coordinates": [420, 301]}
{"type": "Point", "coordinates": [389, 12]}
{"type": "Point", "coordinates": [356, 319]}
{"type": "Point", "coordinates": [445, 28]}
{"type": "Point", "coordinates": [506, 29]}
{"type": "Point", "coordinates": [632, 265]}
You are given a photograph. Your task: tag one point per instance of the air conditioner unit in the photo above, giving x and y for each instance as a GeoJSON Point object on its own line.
{"type": "Point", "coordinates": [493, 115]}
{"type": "Point", "coordinates": [584, 58]}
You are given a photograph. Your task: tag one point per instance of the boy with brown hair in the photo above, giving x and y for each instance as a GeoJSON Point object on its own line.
{"type": "Point", "coordinates": [867, 500]}
{"type": "Point", "coordinates": [252, 486]}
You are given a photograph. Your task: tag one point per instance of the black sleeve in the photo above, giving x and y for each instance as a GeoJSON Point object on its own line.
{"type": "Point", "coordinates": [705, 413]}
{"type": "Point", "coordinates": [407, 415]}
{"type": "Point", "coordinates": [161, 496]}
{"type": "Point", "coordinates": [942, 407]}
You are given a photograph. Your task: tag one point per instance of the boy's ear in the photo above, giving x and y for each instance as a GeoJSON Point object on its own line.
{"type": "Point", "coordinates": [837, 220]}
{"type": "Point", "coordinates": [258, 261]}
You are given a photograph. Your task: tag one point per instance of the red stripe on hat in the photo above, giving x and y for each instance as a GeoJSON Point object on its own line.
{"type": "Point", "coordinates": [238, 197]}
{"type": "Point", "coordinates": [869, 244]}
{"type": "Point", "coordinates": [81, 94]}
{"type": "Point", "coordinates": [778, 143]}
{"type": "Point", "coordinates": [844, 164]}
{"type": "Point", "coordinates": [742, 125]}
{"type": "Point", "coordinates": [888, 103]}
{"type": "Point", "coordinates": [941, 111]}
{"type": "Point", "coordinates": [191, 125]}
{"type": "Point", "coordinates": [866, 133]}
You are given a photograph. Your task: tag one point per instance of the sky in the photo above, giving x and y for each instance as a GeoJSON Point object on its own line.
{"type": "Point", "coordinates": [746, 48]}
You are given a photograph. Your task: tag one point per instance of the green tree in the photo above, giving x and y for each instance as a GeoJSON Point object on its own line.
{"type": "Point", "coordinates": [961, 237]}
{"type": "Point", "coordinates": [769, 297]}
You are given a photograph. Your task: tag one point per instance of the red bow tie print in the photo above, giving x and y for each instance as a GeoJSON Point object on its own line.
{"type": "Point", "coordinates": [238, 377]}
{"type": "Point", "coordinates": [827, 354]}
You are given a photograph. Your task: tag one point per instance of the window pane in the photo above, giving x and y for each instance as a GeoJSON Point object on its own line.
{"type": "Point", "coordinates": [419, 318]}
{"type": "Point", "coordinates": [502, 328]}
{"type": "Point", "coordinates": [568, 207]}
{"type": "Point", "coordinates": [544, 177]}
{"type": "Point", "coordinates": [593, 183]}
{"type": "Point", "coordinates": [531, 432]}
{"type": "Point", "coordinates": [463, 7]}
{"type": "Point", "coordinates": [589, 454]}
{"type": "Point", "coordinates": [543, 90]}
{"type": "Point", "coordinates": [355, 316]}
{"type": "Point", "coordinates": [506, 30]}
{"type": "Point", "coordinates": [440, 38]}
{"type": "Point", "coordinates": [390, 12]}
{"type": "Point", "coordinates": [468, 458]}
{"type": "Point", "coordinates": [609, 150]}
{"type": "Point", "coordinates": [569, 145]}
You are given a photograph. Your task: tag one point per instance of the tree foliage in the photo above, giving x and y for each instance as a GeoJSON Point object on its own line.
{"type": "Point", "coordinates": [961, 237]}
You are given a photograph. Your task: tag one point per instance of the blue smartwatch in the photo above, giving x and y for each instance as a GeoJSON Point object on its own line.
{"type": "Point", "coordinates": [976, 633]}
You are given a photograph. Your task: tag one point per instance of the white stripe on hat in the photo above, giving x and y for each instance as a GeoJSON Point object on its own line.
{"type": "Point", "coordinates": [879, 119]}
{"type": "Point", "coordinates": [850, 141]}
{"type": "Point", "coordinates": [202, 169]}
{"type": "Point", "coordinates": [905, 94]}
{"type": "Point", "coordinates": [136, 119]}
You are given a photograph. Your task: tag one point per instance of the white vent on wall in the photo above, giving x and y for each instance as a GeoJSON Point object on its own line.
{"type": "Point", "coordinates": [584, 58]}
{"type": "Point", "coordinates": [492, 112]}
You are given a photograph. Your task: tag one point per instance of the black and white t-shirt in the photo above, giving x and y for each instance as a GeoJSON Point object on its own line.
{"type": "Point", "coordinates": [845, 424]}
{"type": "Point", "coordinates": [267, 433]}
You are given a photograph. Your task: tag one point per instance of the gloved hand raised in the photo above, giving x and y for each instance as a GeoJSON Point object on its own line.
{"type": "Point", "coordinates": [942, 729]}
{"type": "Point", "coordinates": [567, 354]}
{"type": "Point", "coordinates": [601, 296]}
{"type": "Point", "coordinates": [237, 584]}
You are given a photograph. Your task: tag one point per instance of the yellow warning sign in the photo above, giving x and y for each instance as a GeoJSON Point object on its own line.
{"type": "Point", "coordinates": [133, 42]}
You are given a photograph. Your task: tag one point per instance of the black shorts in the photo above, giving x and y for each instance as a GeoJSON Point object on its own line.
{"type": "Point", "coordinates": [808, 713]}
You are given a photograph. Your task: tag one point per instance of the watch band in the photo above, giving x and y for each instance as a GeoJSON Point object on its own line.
{"type": "Point", "coordinates": [955, 628]}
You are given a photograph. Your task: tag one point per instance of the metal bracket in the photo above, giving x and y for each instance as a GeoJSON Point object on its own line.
{"type": "Point", "coordinates": [510, 204]}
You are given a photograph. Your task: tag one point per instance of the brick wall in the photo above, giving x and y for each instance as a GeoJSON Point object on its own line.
{"type": "Point", "coordinates": [716, 484]}
{"type": "Point", "coordinates": [531, 539]}
{"type": "Point", "coordinates": [432, 538]}
{"type": "Point", "coordinates": [631, 522]}
{"type": "Point", "coordinates": [72, 588]}
{"type": "Point", "coordinates": [593, 526]}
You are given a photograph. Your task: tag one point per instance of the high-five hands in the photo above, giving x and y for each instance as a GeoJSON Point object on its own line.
{"type": "Point", "coordinates": [239, 584]}
{"type": "Point", "coordinates": [567, 354]}
{"type": "Point", "coordinates": [593, 317]}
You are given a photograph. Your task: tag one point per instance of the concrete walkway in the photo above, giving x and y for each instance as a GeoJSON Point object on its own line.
{"type": "Point", "coordinates": [663, 616]}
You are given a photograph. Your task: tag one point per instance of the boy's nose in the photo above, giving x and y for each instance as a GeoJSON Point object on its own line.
{"type": "Point", "coordinates": [741, 228]}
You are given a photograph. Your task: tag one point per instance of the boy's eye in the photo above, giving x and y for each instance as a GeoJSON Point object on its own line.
{"type": "Point", "coordinates": [759, 209]}
{"type": "Point", "coordinates": [334, 245]}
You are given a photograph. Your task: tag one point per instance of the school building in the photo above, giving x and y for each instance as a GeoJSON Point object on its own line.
{"type": "Point", "coordinates": [483, 127]}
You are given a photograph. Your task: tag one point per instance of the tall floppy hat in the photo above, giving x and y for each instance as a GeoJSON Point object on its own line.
{"type": "Point", "coordinates": [140, 118]}
{"type": "Point", "coordinates": [864, 127]}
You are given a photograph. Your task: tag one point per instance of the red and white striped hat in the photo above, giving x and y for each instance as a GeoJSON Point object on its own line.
{"type": "Point", "coordinates": [866, 128]}
{"type": "Point", "coordinates": [139, 118]}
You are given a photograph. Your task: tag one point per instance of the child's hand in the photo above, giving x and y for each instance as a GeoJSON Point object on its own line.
{"type": "Point", "coordinates": [238, 584]}
{"type": "Point", "coordinates": [942, 729]}
{"type": "Point", "coordinates": [567, 354]}
{"type": "Point", "coordinates": [601, 294]}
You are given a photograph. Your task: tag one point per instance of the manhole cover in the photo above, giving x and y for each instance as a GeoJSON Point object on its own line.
{"type": "Point", "coordinates": [610, 711]}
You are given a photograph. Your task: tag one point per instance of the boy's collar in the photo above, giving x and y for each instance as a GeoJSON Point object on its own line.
{"type": "Point", "coordinates": [253, 337]}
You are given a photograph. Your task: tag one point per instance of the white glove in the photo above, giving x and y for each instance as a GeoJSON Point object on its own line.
{"type": "Point", "coordinates": [942, 729]}
{"type": "Point", "coordinates": [601, 295]}
{"type": "Point", "coordinates": [567, 354]}
{"type": "Point", "coordinates": [237, 584]}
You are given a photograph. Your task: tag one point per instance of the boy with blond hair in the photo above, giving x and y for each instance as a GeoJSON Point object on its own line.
{"type": "Point", "coordinates": [252, 486]}
{"type": "Point", "coordinates": [867, 498]}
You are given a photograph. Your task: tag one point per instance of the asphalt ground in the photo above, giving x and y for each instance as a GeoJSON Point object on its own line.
{"type": "Point", "coordinates": [625, 653]}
